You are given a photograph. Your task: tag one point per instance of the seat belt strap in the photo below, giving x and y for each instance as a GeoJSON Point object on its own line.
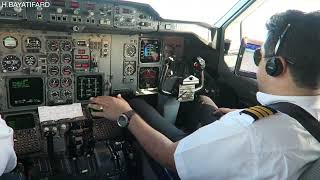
{"type": "Point", "coordinates": [309, 122]}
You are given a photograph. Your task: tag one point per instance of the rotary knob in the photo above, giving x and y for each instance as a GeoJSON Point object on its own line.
{"type": "Point", "coordinates": [59, 10]}
{"type": "Point", "coordinates": [63, 126]}
{"type": "Point", "coordinates": [76, 11]}
{"type": "Point", "coordinates": [17, 9]}
{"type": "Point", "coordinates": [91, 13]}
{"type": "Point", "coordinates": [121, 19]}
{"type": "Point", "coordinates": [54, 129]}
{"type": "Point", "coordinates": [39, 8]}
{"type": "Point", "coordinates": [46, 129]}
{"type": "Point", "coordinates": [130, 20]}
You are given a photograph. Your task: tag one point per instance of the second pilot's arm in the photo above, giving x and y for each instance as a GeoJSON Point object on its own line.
{"type": "Point", "coordinates": [8, 159]}
{"type": "Point", "coordinates": [232, 148]}
{"type": "Point", "coordinates": [212, 145]}
{"type": "Point", "coordinates": [154, 143]}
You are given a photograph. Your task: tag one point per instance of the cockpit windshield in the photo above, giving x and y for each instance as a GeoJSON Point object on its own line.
{"type": "Point", "coordinates": [206, 11]}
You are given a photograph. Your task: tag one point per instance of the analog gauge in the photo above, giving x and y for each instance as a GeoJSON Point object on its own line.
{"type": "Point", "coordinates": [66, 82]}
{"type": "Point", "coordinates": [66, 45]}
{"type": "Point", "coordinates": [30, 60]}
{"type": "Point", "coordinates": [54, 94]}
{"type": "Point", "coordinates": [66, 58]}
{"type": "Point", "coordinates": [54, 83]}
{"type": "Point", "coordinates": [131, 50]}
{"type": "Point", "coordinates": [129, 68]}
{"type": "Point", "coordinates": [54, 70]}
{"type": "Point", "coordinates": [53, 58]}
{"type": "Point", "coordinates": [66, 93]}
{"type": "Point", "coordinates": [66, 70]}
{"type": "Point", "coordinates": [148, 78]}
{"type": "Point", "coordinates": [10, 42]}
{"type": "Point", "coordinates": [32, 43]}
{"type": "Point", "coordinates": [53, 45]}
{"type": "Point", "coordinates": [11, 63]}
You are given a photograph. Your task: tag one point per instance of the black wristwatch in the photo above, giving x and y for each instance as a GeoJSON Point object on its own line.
{"type": "Point", "coordinates": [124, 118]}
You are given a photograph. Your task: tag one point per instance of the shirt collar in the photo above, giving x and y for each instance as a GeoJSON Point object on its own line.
{"type": "Point", "coordinates": [309, 103]}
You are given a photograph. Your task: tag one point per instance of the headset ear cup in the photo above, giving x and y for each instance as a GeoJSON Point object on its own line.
{"type": "Point", "coordinates": [274, 67]}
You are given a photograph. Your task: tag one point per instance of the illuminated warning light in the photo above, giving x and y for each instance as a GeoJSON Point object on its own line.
{"type": "Point", "coordinates": [85, 65]}
{"type": "Point", "coordinates": [81, 51]}
{"type": "Point", "coordinates": [81, 57]}
{"type": "Point", "coordinates": [74, 4]}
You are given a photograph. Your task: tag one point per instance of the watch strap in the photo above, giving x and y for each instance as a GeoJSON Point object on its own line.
{"type": "Point", "coordinates": [129, 115]}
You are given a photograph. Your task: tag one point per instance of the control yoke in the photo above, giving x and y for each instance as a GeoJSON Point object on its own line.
{"type": "Point", "coordinates": [187, 86]}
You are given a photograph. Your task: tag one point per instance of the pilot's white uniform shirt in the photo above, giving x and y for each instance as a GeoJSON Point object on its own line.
{"type": "Point", "coordinates": [8, 158]}
{"type": "Point", "coordinates": [275, 147]}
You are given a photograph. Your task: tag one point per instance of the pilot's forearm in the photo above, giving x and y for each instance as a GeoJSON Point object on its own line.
{"type": "Point", "coordinates": [154, 143]}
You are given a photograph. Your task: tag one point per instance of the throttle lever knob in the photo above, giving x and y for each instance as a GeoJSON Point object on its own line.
{"type": "Point", "coordinates": [200, 64]}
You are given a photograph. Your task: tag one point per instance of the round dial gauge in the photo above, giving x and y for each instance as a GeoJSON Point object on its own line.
{"type": "Point", "coordinates": [11, 63]}
{"type": "Point", "coordinates": [54, 83]}
{"type": "Point", "coordinates": [148, 78]}
{"type": "Point", "coordinates": [66, 70]}
{"type": "Point", "coordinates": [32, 43]}
{"type": "Point", "coordinates": [30, 60]}
{"type": "Point", "coordinates": [53, 58]}
{"type": "Point", "coordinates": [54, 94]}
{"type": "Point", "coordinates": [53, 45]}
{"type": "Point", "coordinates": [66, 93]}
{"type": "Point", "coordinates": [54, 70]}
{"type": "Point", "coordinates": [66, 58]}
{"type": "Point", "coordinates": [66, 82]}
{"type": "Point", "coordinates": [129, 69]}
{"type": "Point", "coordinates": [10, 42]}
{"type": "Point", "coordinates": [131, 50]}
{"type": "Point", "coordinates": [66, 45]}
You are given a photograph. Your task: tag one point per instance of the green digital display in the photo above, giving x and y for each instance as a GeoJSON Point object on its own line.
{"type": "Point", "coordinates": [23, 83]}
{"type": "Point", "coordinates": [26, 91]}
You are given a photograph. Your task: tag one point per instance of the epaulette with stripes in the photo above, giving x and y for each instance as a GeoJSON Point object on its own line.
{"type": "Point", "coordinates": [259, 112]}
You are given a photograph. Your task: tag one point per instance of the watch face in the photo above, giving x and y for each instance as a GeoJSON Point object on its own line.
{"type": "Point", "coordinates": [122, 120]}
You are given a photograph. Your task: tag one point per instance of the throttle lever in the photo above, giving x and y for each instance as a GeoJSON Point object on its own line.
{"type": "Point", "coordinates": [200, 65]}
{"type": "Point", "coordinates": [163, 76]}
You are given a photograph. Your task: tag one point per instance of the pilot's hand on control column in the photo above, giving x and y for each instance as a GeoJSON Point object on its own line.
{"type": "Point", "coordinates": [110, 107]}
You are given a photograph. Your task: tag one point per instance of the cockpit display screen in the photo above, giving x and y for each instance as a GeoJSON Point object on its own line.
{"type": "Point", "coordinates": [26, 91]}
{"type": "Point", "coordinates": [150, 51]}
{"type": "Point", "coordinates": [20, 121]}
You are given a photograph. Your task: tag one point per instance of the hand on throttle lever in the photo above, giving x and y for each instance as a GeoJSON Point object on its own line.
{"type": "Point", "coordinates": [110, 107]}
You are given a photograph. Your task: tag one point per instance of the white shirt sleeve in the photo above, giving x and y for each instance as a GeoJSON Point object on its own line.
{"type": "Point", "coordinates": [8, 158]}
{"type": "Point", "coordinates": [221, 150]}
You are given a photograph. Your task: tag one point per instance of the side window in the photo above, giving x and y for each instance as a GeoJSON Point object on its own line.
{"type": "Point", "coordinates": [233, 35]}
{"type": "Point", "coordinates": [252, 26]}
{"type": "Point", "coordinates": [245, 63]}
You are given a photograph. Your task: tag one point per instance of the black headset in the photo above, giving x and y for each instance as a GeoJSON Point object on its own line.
{"type": "Point", "coordinates": [274, 66]}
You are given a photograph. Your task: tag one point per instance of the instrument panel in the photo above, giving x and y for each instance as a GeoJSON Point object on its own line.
{"type": "Point", "coordinates": [54, 68]}
{"type": "Point", "coordinates": [97, 13]}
